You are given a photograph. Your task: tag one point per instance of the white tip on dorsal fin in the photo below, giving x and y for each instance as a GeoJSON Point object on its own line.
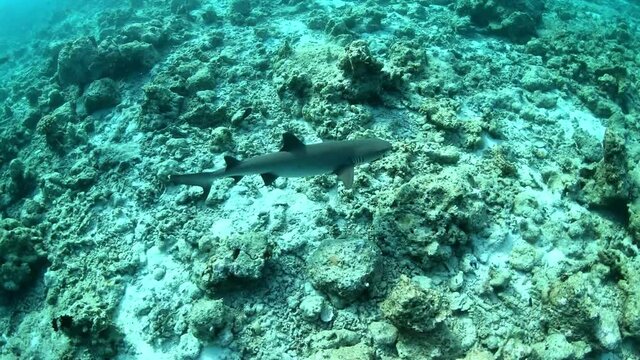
{"type": "Point", "coordinates": [291, 143]}
{"type": "Point", "coordinates": [346, 175]}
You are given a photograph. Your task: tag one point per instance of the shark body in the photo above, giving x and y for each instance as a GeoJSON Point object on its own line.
{"type": "Point", "coordinates": [295, 159]}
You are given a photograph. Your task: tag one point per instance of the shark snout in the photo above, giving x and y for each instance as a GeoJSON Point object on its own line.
{"type": "Point", "coordinates": [380, 146]}
{"type": "Point", "coordinates": [373, 149]}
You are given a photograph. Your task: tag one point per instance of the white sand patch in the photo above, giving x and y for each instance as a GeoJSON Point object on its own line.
{"type": "Point", "coordinates": [553, 258]}
{"type": "Point", "coordinates": [127, 319]}
{"type": "Point", "coordinates": [571, 118]}
{"type": "Point", "coordinates": [243, 209]}
{"type": "Point", "coordinates": [331, 3]}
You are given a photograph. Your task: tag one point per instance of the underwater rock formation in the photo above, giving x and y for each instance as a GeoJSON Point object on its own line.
{"type": "Point", "coordinates": [516, 20]}
{"type": "Point", "coordinates": [75, 61]}
{"type": "Point", "coordinates": [344, 268]}
{"type": "Point", "coordinates": [118, 60]}
{"type": "Point", "coordinates": [21, 256]}
{"type": "Point", "coordinates": [90, 326]}
{"type": "Point", "coordinates": [609, 185]}
{"type": "Point", "coordinates": [556, 347]}
{"type": "Point", "coordinates": [83, 60]}
{"type": "Point", "coordinates": [22, 180]}
{"type": "Point", "coordinates": [208, 317]}
{"type": "Point", "coordinates": [429, 216]}
{"type": "Point", "coordinates": [231, 259]}
{"type": "Point", "coordinates": [363, 71]}
{"type": "Point", "coordinates": [61, 129]}
{"type": "Point", "coordinates": [383, 333]}
{"type": "Point", "coordinates": [572, 299]}
{"type": "Point", "coordinates": [411, 307]}
{"type": "Point", "coordinates": [101, 94]}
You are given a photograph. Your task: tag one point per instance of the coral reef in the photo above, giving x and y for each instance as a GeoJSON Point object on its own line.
{"type": "Point", "coordinates": [22, 256]}
{"type": "Point", "coordinates": [412, 307]}
{"type": "Point", "coordinates": [510, 195]}
{"type": "Point", "coordinates": [429, 216]}
{"type": "Point", "coordinates": [100, 94]}
{"type": "Point", "coordinates": [231, 259]}
{"type": "Point", "coordinates": [517, 20]}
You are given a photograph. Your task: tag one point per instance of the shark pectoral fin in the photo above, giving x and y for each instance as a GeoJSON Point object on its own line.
{"type": "Point", "coordinates": [268, 178]}
{"type": "Point", "coordinates": [346, 175]}
{"type": "Point", "coordinates": [205, 191]}
{"type": "Point", "coordinates": [291, 143]}
{"type": "Point", "coordinates": [236, 178]}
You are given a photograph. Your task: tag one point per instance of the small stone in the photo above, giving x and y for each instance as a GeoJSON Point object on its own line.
{"type": "Point", "coordinates": [188, 348]}
{"type": "Point", "coordinates": [208, 317]}
{"type": "Point", "coordinates": [355, 352]}
{"type": "Point", "coordinates": [523, 257]}
{"type": "Point", "coordinates": [411, 307]}
{"type": "Point", "coordinates": [499, 278]}
{"type": "Point", "coordinates": [383, 333]}
{"type": "Point", "coordinates": [326, 314]}
{"type": "Point", "coordinates": [311, 307]}
{"type": "Point", "coordinates": [203, 79]}
{"type": "Point", "coordinates": [456, 282]}
{"type": "Point", "coordinates": [332, 339]}
{"type": "Point", "coordinates": [159, 273]}
{"type": "Point", "coordinates": [556, 347]}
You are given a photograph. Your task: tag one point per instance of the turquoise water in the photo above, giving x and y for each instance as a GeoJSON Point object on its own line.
{"type": "Point", "coordinates": [247, 179]}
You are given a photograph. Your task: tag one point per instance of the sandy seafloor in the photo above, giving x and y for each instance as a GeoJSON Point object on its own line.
{"type": "Point", "coordinates": [504, 224]}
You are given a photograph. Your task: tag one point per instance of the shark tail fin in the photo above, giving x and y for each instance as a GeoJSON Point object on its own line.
{"type": "Point", "coordinates": [200, 179]}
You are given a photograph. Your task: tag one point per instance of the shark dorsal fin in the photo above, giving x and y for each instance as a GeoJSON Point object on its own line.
{"type": "Point", "coordinates": [231, 162]}
{"type": "Point", "coordinates": [291, 143]}
{"type": "Point", "coordinates": [345, 174]}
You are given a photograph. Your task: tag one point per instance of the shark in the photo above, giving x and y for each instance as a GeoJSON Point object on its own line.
{"type": "Point", "coordinates": [295, 159]}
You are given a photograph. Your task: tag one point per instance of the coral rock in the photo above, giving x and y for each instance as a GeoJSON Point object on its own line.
{"type": "Point", "coordinates": [344, 268]}
{"type": "Point", "coordinates": [411, 307]}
